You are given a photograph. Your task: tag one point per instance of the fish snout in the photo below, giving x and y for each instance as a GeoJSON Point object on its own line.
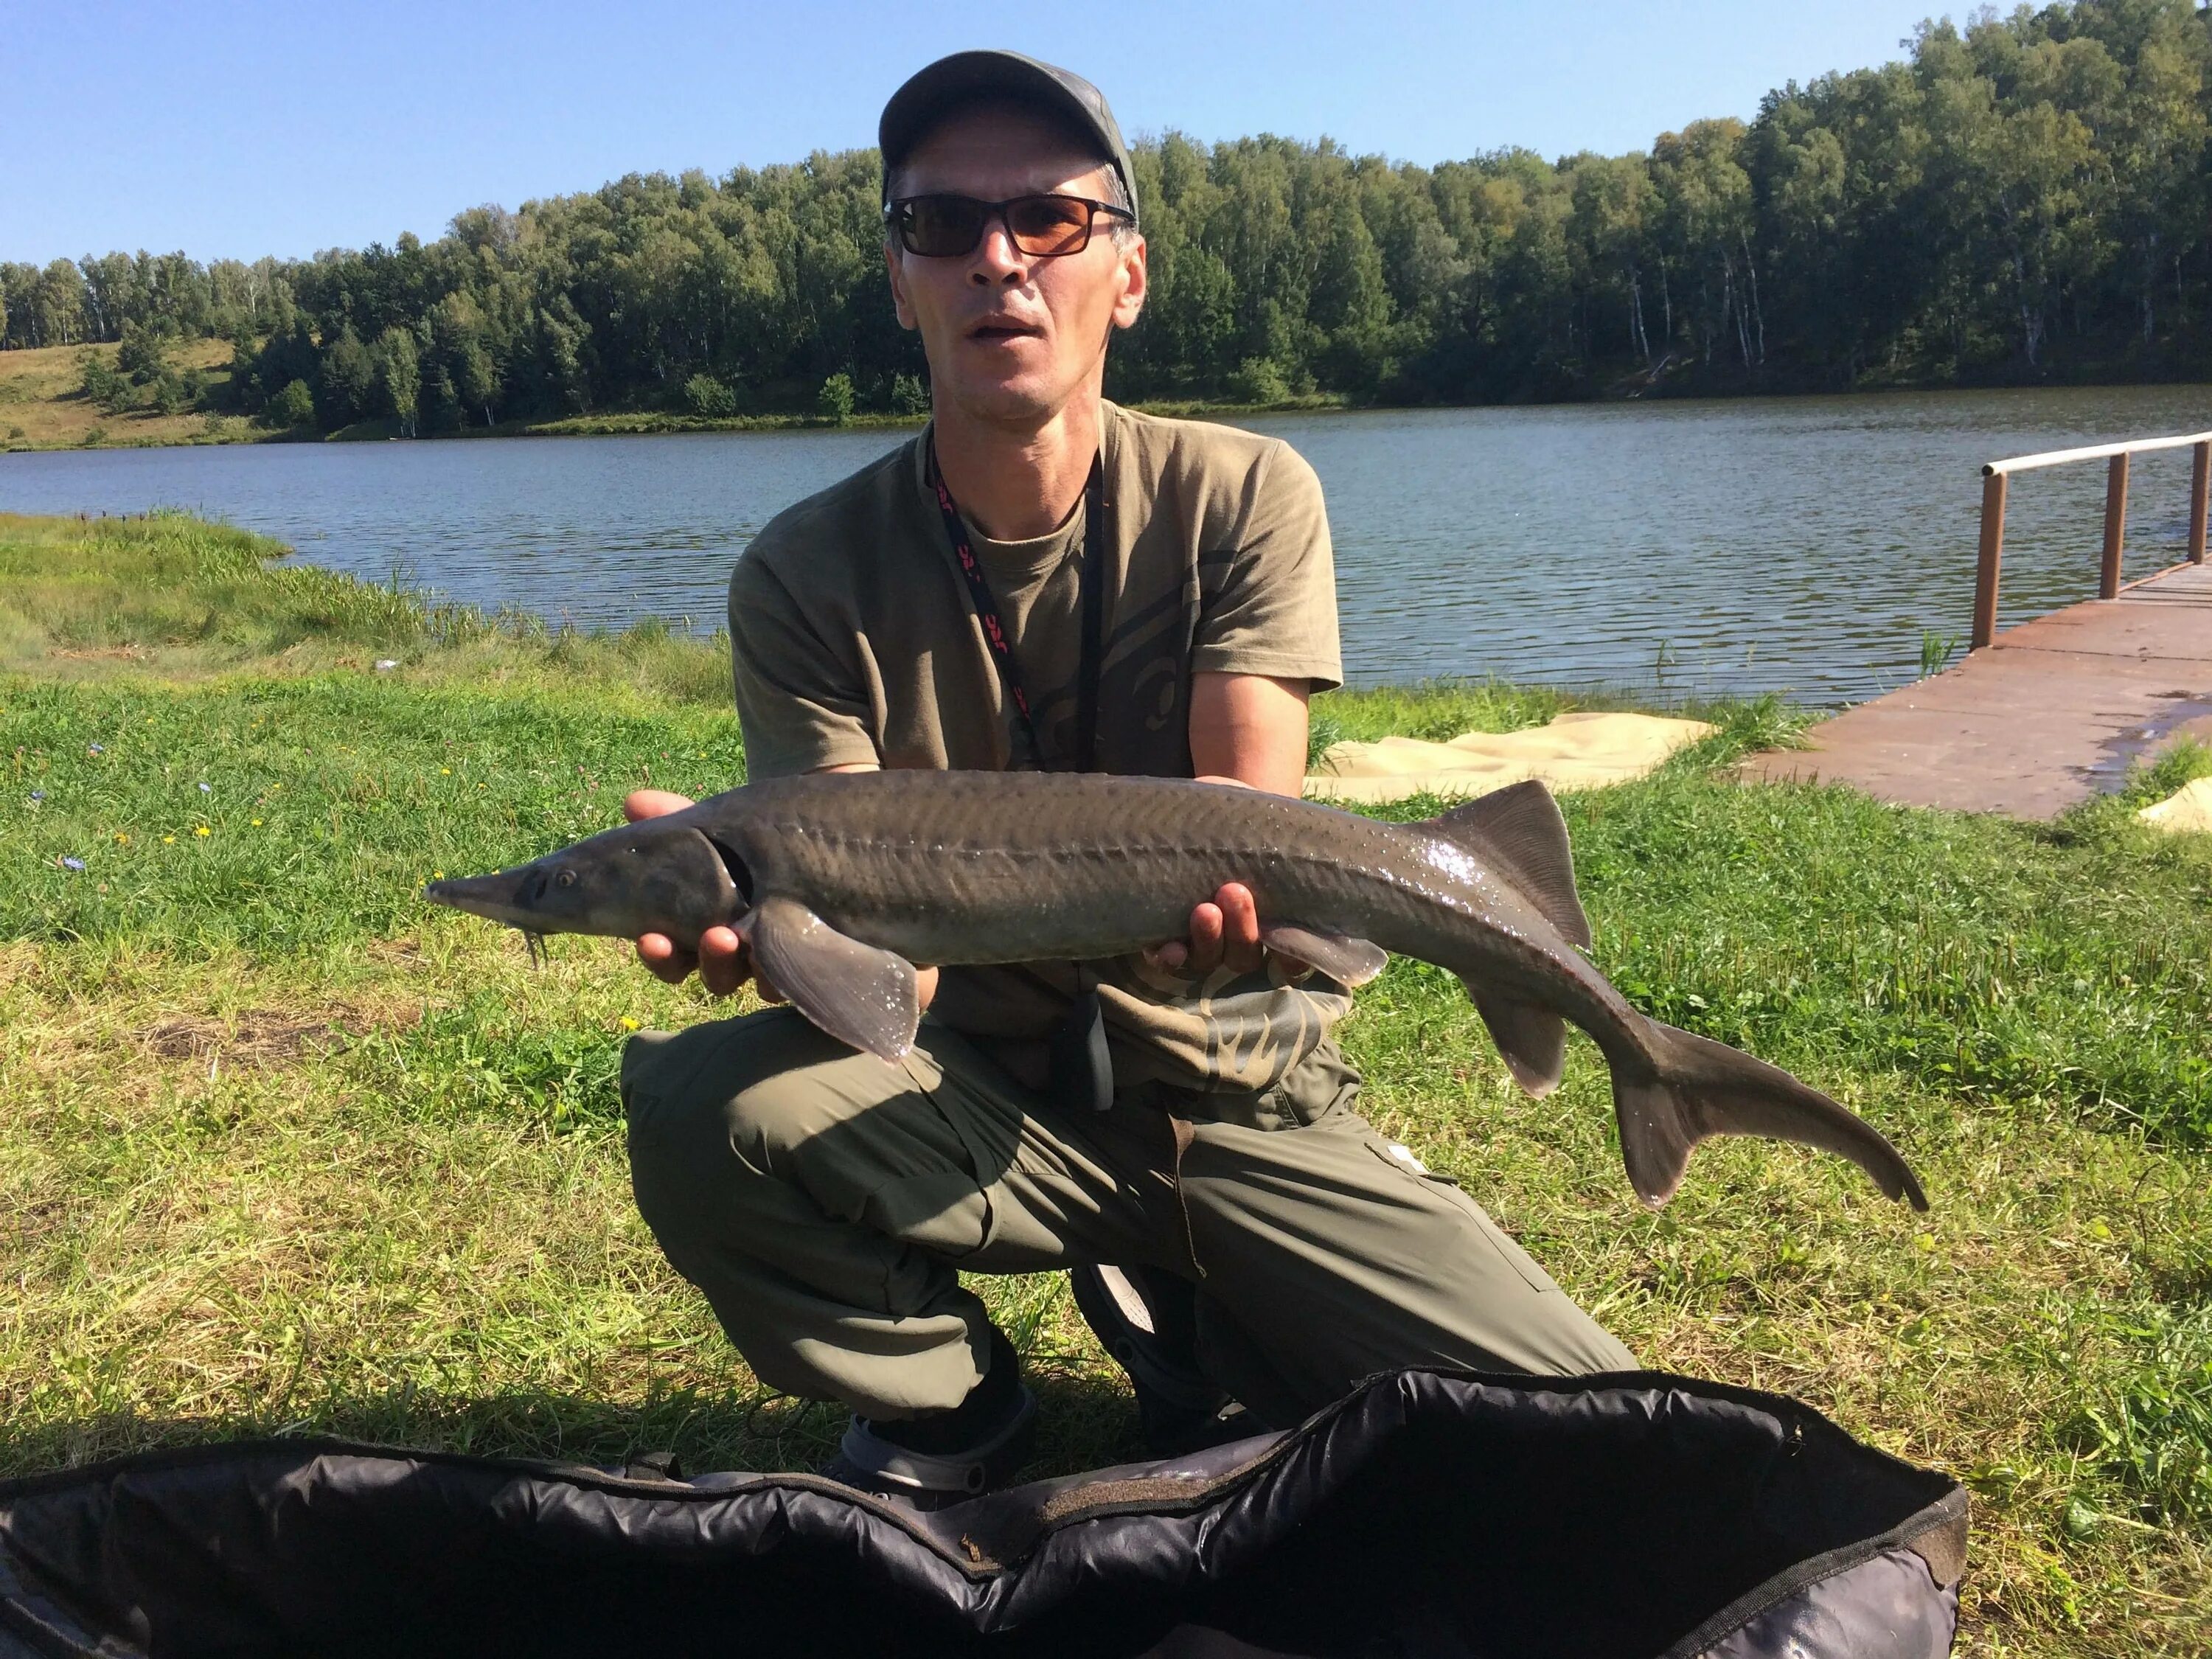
{"type": "Point", "coordinates": [507, 895]}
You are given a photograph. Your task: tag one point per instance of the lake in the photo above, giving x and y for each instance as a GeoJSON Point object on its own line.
{"type": "Point", "coordinates": [1802, 544]}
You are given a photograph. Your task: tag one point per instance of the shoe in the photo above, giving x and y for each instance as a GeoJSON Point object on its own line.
{"type": "Point", "coordinates": [872, 1457]}
{"type": "Point", "coordinates": [868, 1462]}
{"type": "Point", "coordinates": [1148, 1320]}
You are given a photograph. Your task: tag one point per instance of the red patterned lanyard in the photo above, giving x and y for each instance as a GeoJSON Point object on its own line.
{"type": "Point", "coordinates": [995, 628]}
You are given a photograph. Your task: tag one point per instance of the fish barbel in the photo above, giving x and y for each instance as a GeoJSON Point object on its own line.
{"type": "Point", "coordinates": [839, 884]}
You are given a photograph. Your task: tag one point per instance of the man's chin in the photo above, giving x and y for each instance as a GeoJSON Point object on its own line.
{"type": "Point", "coordinates": [1009, 399]}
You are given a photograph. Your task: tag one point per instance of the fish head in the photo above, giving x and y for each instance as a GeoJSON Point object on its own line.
{"type": "Point", "coordinates": [660, 876]}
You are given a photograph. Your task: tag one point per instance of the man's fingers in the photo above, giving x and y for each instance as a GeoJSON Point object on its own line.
{"type": "Point", "coordinates": [640, 803]}
{"type": "Point", "coordinates": [659, 953]}
{"type": "Point", "coordinates": [723, 961]}
{"type": "Point", "coordinates": [1240, 927]}
{"type": "Point", "coordinates": [1204, 939]}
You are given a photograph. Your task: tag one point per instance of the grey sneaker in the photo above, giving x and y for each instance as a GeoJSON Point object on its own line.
{"type": "Point", "coordinates": [1148, 1320]}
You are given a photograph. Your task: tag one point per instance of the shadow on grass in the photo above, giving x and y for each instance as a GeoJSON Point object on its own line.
{"type": "Point", "coordinates": [1083, 1423]}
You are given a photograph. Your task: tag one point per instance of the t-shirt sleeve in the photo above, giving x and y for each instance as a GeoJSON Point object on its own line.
{"type": "Point", "coordinates": [800, 705]}
{"type": "Point", "coordinates": [1271, 608]}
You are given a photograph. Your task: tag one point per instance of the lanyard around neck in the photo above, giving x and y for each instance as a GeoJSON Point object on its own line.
{"type": "Point", "coordinates": [1085, 758]}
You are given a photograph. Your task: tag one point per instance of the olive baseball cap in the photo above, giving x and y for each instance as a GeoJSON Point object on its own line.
{"type": "Point", "coordinates": [968, 77]}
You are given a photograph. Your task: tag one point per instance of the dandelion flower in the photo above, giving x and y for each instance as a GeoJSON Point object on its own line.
{"type": "Point", "coordinates": [446, 771]}
{"type": "Point", "coordinates": [437, 875]}
{"type": "Point", "coordinates": [256, 824]}
{"type": "Point", "coordinates": [168, 840]}
{"type": "Point", "coordinates": [203, 831]}
{"type": "Point", "coordinates": [122, 839]}
{"type": "Point", "coordinates": [628, 1023]}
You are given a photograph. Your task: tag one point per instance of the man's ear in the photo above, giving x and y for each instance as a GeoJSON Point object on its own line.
{"type": "Point", "coordinates": [901, 305]}
{"type": "Point", "coordinates": [1131, 303]}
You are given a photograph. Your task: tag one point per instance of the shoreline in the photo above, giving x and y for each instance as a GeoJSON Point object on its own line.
{"type": "Point", "coordinates": [223, 430]}
{"type": "Point", "coordinates": [209, 429]}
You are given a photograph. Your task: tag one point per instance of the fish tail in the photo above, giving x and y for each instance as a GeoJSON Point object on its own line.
{"type": "Point", "coordinates": [1695, 1087]}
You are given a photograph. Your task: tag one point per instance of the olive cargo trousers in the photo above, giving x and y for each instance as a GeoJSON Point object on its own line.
{"type": "Point", "coordinates": [827, 1203]}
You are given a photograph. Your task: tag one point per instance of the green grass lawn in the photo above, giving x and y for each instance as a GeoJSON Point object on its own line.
{"type": "Point", "coordinates": [285, 1149]}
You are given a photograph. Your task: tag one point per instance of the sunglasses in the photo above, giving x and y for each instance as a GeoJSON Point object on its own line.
{"type": "Point", "coordinates": [1043, 226]}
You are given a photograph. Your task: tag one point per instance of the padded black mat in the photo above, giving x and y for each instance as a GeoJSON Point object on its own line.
{"type": "Point", "coordinates": [1425, 1513]}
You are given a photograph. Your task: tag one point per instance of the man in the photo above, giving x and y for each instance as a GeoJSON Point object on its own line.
{"type": "Point", "coordinates": [1041, 579]}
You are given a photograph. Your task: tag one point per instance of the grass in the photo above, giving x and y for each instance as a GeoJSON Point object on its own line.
{"type": "Point", "coordinates": [287, 1150]}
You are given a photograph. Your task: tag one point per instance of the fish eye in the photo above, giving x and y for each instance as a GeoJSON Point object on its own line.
{"type": "Point", "coordinates": [565, 878]}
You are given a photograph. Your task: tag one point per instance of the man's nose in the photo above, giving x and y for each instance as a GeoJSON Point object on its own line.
{"type": "Point", "coordinates": [998, 263]}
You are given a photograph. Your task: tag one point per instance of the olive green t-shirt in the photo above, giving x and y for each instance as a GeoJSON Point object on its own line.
{"type": "Point", "coordinates": [855, 640]}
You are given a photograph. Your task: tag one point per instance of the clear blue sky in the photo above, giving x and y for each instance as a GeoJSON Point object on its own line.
{"type": "Point", "coordinates": [249, 127]}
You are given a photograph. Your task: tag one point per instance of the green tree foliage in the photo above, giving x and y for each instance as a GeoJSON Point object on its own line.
{"type": "Point", "coordinates": [398, 363]}
{"type": "Point", "coordinates": [294, 406]}
{"type": "Point", "coordinates": [836, 400]}
{"type": "Point", "coordinates": [143, 355]}
{"type": "Point", "coordinates": [706, 396]}
{"type": "Point", "coordinates": [345, 388]}
{"type": "Point", "coordinates": [2025, 197]}
{"type": "Point", "coordinates": [908, 395]}
{"type": "Point", "coordinates": [108, 389]}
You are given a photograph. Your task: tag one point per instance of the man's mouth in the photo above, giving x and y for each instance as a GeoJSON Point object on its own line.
{"type": "Point", "coordinates": [993, 330]}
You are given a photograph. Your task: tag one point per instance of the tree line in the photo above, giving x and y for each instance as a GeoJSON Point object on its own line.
{"type": "Point", "coordinates": [2023, 198]}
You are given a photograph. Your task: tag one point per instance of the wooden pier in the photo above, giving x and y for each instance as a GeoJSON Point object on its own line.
{"type": "Point", "coordinates": [2042, 716]}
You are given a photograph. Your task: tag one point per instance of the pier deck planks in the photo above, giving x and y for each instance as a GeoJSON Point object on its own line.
{"type": "Point", "coordinates": [2049, 715]}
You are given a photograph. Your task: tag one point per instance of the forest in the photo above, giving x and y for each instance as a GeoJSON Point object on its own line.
{"type": "Point", "coordinates": [2021, 200]}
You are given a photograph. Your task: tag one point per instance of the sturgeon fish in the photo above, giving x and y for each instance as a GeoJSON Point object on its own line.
{"type": "Point", "coordinates": [839, 884]}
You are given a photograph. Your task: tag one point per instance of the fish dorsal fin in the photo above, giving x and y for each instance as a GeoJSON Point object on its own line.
{"type": "Point", "coordinates": [1519, 832]}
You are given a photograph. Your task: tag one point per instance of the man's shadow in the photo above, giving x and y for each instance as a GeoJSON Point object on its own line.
{"type": "Point", "coordinates": [1085, 1422]}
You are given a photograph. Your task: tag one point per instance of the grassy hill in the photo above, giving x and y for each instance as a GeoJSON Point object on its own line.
{"type": "Point", "coordinates": [43, 406]}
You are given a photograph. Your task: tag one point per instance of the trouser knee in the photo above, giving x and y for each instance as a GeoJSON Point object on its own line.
{"type": "Point", "coordinates": [708, 1107]}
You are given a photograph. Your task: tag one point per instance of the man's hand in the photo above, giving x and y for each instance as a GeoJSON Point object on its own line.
{"type": "Point", "coordinates": [1224, 931]}
{"type": "Point", "coordinates": [722, 961]}
{"type": "Point", "coordinates": [1250, 731]}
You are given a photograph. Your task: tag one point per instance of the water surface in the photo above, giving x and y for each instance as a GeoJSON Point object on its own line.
{"type": "Point", "coordinates": [1800, 544]}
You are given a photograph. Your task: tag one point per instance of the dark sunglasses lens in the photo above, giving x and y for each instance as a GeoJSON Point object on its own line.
{"type": "Point", "coordinates": [940, 225]}
{"type": "Point", "coordinates": [1049, 224]}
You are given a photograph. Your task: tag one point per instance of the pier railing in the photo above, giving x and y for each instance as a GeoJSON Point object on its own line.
{"type": "Point", "coordinates": [2115, 455]}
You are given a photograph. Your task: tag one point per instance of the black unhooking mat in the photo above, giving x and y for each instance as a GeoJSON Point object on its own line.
{"type": "Point", "coordinates": [1426, 1514]}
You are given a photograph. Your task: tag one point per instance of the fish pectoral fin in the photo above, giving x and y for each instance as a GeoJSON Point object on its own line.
{"type": "Point", "coordinates": [858, 994]}
{"type": "Point", "coordinates": [1531, 1040]}
{"type": "Point", "coordinates": [1518, 831]}
{"type": "Point", "coordinates": [1706, 1088]}
{"type": "Point", "coordinates": [1346, 960]}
